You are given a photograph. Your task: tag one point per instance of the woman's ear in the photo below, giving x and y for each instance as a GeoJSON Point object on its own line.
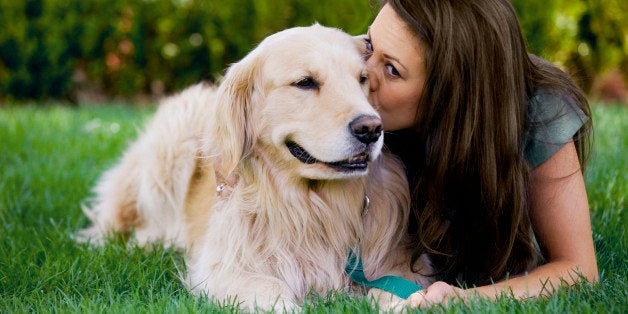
{"type": "Point", "coordinates": [232, 126]}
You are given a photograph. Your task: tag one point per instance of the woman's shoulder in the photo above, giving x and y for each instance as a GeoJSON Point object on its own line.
{"type": "Point", "coordinates": [547, 105]}
{"type": "Point", "coordinates": [553, 118]}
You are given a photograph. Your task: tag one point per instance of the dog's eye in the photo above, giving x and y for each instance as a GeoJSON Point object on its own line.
{"type": "Point", "coordinates": [307, 83]}
{"type": "Point", "coordinates": [363, 79]}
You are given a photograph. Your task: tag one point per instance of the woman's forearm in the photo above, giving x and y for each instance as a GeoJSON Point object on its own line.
{"type": "Point", "coordinates": [543, 280]}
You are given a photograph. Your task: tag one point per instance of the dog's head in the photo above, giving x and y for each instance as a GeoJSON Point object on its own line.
{"type": "Point", "coordinates": [301, 96]}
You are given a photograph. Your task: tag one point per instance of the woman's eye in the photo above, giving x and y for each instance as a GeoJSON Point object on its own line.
{"type": "Point", "coordinates": [307, 83]}
{"type": "Point", "coordinates": [392, 71]}
{"type": "Point", "coordinates": [369, 45]}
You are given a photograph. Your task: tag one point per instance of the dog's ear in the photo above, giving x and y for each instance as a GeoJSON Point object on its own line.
{"type": "Point", "coordinates": [232, 125]}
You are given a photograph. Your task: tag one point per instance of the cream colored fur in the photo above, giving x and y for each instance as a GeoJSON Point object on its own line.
{"type": "Point", "coordinates": [282, 228]}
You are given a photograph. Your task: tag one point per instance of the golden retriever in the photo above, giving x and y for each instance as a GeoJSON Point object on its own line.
{"type": "Point", "coordinates": [268, 181]}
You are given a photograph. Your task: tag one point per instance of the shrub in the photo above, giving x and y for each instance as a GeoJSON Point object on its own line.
{"type": "Point", "coordinates": [587, 37]}
{"type": "Point", "coordinates": [55, 48]}
{"type": "Point", "coordinates": [52, 48]}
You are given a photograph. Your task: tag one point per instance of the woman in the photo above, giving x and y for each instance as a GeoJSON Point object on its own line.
{"type": "Point", "coordinates": [494, 141]}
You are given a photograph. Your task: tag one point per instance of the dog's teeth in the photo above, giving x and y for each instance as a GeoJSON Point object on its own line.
{"type": "Point", "coordinates": [358, 158]}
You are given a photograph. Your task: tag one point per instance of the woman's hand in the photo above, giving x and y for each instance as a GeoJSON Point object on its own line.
{"type": "Point", "coordinates": [438, 292]}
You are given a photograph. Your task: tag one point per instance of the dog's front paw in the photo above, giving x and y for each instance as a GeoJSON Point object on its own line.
{"type": "Point", "coordinates": [278, 305]}
{"type": "Point", "coordinates": [387, 301]}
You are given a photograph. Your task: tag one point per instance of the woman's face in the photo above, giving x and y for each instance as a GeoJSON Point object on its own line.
{"type": "Point", "coordinates": [396, 70]}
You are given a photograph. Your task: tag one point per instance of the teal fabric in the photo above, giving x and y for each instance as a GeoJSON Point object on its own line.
{"type": "Point", "coordinates": [396, 285]}
{"type": "Point", "coordinates": [553, 120]}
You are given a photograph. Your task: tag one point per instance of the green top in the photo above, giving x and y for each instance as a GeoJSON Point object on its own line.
{"type": "Point", "coordinates": [553, 119]}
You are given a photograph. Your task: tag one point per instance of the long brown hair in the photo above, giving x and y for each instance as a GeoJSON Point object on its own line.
{"type": "Point", "coordinates": [470, 181]}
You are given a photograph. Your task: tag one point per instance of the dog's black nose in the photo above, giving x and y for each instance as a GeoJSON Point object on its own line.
{"type": "Point", "coordinates": [367, 129]}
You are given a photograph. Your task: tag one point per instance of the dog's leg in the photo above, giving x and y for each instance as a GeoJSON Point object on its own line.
{"type": "Point", "coordinates": [251, 290]}
{"type": "Point", "coordinates": [386, 243]}
{"type": "Point", "coordinates": [145, 193]}
{"type": "Point", "coordinates": [386, 301]}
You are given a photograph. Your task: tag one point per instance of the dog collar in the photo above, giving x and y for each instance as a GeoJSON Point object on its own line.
{"type": "Point", "coordinates": [396, 285]}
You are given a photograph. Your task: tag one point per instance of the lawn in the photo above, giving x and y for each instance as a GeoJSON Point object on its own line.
{"type": "Point", "coordinates": [51, 155]}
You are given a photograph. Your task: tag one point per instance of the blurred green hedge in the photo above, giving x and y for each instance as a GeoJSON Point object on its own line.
{"type": "Point", "coordinates": [586, 37]}
{"type": "Point", "coordinates": [57, 48]}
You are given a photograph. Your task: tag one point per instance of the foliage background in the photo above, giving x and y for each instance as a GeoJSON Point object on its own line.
{"type": "Point", "coordinates": [77, 49]}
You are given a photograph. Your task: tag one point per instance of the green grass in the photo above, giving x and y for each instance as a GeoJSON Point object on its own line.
{"type": "Point", "coordinates": [50, 157]}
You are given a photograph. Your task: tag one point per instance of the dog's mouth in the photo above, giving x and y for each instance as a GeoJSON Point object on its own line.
{"type": "Point", "coordinates": [355, 163]}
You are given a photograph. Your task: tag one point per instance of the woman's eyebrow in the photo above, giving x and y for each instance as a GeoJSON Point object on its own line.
{"type": "Point", "coordinates": [368, 33]}
{"type": "Point", "coordinates": [387, 56]}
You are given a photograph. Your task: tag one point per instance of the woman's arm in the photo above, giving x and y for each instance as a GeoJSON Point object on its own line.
{"type": "Point", "coordinates": [560, 217]}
